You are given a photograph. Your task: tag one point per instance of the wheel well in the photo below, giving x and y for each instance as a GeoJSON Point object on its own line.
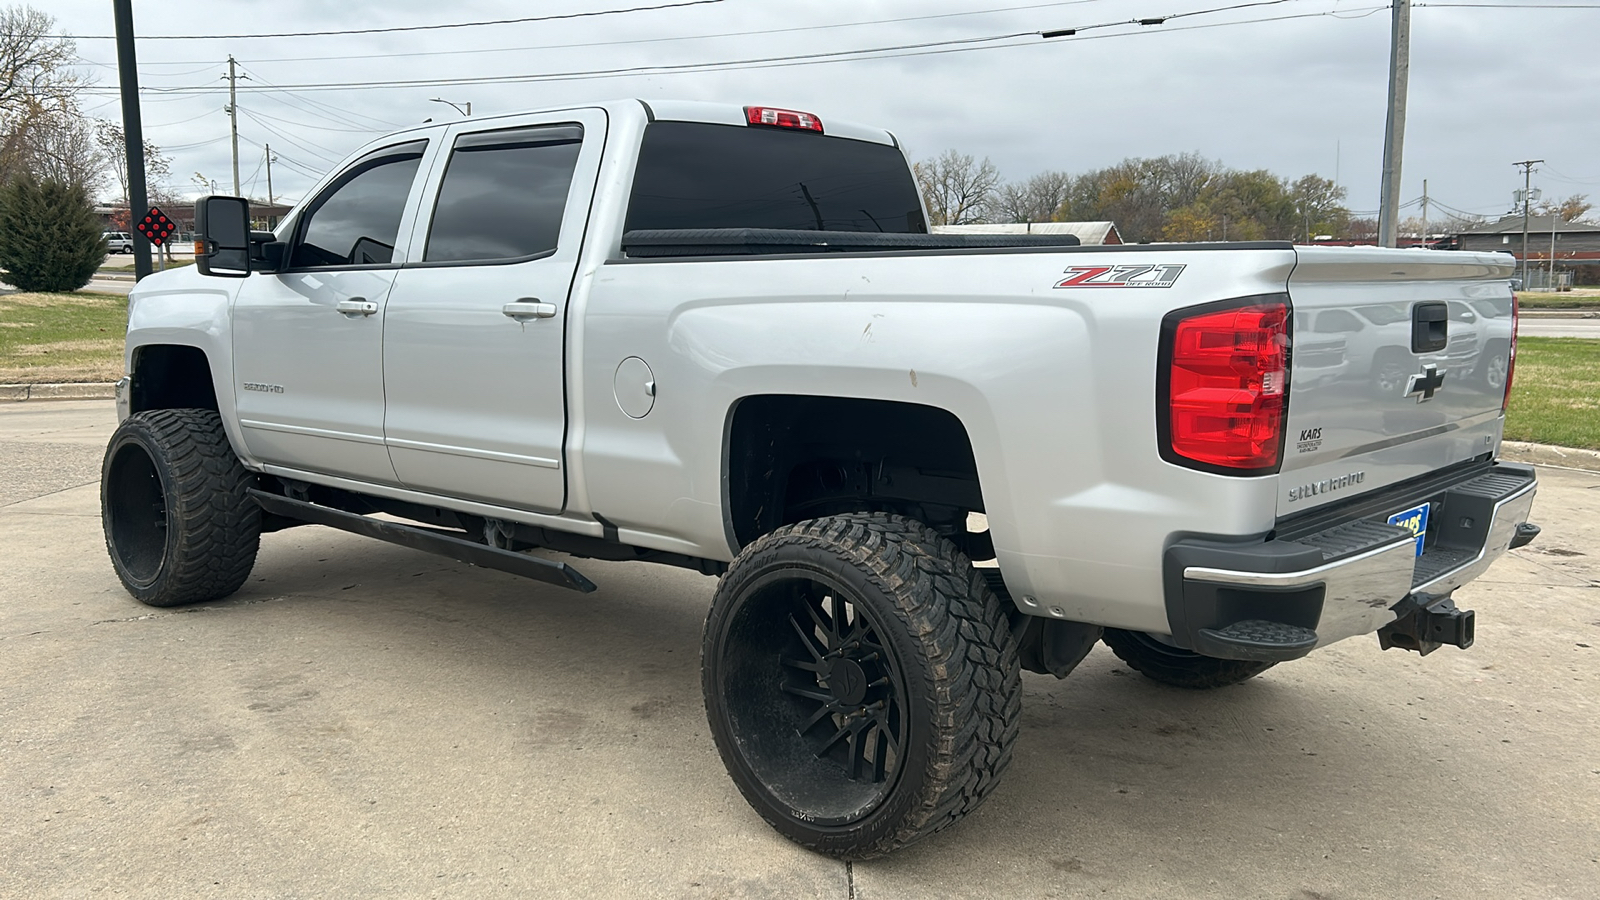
{"type": "Point", "coordinates": [171, 376]}
{"type": "Point", "coordinates": [791, 458]}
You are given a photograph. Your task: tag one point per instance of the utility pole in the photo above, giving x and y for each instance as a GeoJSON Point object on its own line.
{"type": "Point", "coordinates": [1394, 129]}
{"type": "Point", "coordinates": [1424, 213]}
{"type": "Point", "coordinates": [1527, 184]}
{"type": "Point", "coordinates": [272, 219]}
{"type": "Point", "coordinates": [1551, 285]}
{"type": "Point", "coordinates": [132, 132]}
{"type": "Point", "coordinates": [233, 116]}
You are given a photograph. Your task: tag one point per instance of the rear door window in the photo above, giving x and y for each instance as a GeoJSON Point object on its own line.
{"type": "Point", "coordinates": [697, 175]}
{"type": "Point", "coordinates": [504, 194]}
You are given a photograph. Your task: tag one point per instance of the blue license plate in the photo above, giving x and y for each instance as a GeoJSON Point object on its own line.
{"type": "Point", "coordinates": [1416, 519]}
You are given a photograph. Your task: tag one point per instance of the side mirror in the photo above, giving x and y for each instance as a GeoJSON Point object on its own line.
{"type": "Point", "coordinates": [222, 236]}
{"type": "Point", "coordinates": [267, 253]}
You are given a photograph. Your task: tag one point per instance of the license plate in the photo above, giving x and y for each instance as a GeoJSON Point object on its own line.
{"type": "Point", "coordinates": [1415, 519]}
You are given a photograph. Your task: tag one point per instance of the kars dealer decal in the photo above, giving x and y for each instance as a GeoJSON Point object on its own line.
{"type": "Point", "coordinates": [1156, 276]}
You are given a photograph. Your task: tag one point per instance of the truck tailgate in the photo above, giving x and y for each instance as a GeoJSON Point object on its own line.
{"type": "Point", "coordinates": [1398, 367]}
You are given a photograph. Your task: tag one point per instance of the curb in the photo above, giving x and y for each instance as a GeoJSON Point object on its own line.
{"type": "Point", "coordinates": [93, 391]}
{"type": "Point", "coordinates": [1550, 455]}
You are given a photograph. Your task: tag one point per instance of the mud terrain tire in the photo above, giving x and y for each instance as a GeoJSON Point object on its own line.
{"type": "Point", "coordinates": [861, 682]}
{"type": "Point", "coordinates": [179, 525]}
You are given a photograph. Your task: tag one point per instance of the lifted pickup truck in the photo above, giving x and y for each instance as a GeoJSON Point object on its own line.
{"type": "Point", "coordinates": [722, 338]}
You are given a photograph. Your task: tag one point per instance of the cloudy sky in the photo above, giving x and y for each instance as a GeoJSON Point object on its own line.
{"type": "Point", "coordinates": [1489, 86]}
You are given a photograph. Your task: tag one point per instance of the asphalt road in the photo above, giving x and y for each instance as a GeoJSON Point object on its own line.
{"type": "Point", "coordinates": [365, 720]}
{"type": "Point", "coordinates": [1559, 327]}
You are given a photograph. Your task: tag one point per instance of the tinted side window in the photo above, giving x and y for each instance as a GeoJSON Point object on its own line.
{"type": "Point", "coordinates": [695, 175]}
{"type": "Point", "coordinates": [504, 193]}
{"type": "Point", "coordinates": [356, 221]}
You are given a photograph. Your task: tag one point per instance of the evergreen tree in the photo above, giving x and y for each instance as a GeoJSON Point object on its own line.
{"type": "Point", "coordinates": [50, 238]}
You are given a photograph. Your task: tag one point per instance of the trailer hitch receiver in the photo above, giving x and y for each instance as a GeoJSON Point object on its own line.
{"type": "Point", "coordinates": [1425, 623]}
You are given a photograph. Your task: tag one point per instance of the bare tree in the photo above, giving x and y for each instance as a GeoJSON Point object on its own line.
{"type": "Point", "coordinates": [958, 189]}
{"type": "Point", "coordinates": [113, 145]}
{"type": "Point", "coordinates": [35, 64]}
{"type": "Point", "coordinates": [58, 146]}
{"type": "Point", "coordinates": [41, 129]}
{"type": "Point", "coordinates": [1038, 199]}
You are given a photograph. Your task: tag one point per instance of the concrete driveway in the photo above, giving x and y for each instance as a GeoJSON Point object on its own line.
{"type": "Point", "coordinates": [364, 720]}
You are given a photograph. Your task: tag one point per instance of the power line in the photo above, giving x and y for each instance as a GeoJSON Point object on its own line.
{"type": "Point", "coordinates": [195, 145]}
{"type": "Point", "coordinates": [301, 168]}
{"type": "Point", "coordinates": [258, 113]}
{"type": "Point", "coordinates": [328, 111]}
{"type": "Point", "coordinates": [143, 73]}
{"type": "Point", "coordinates": [1513, 5]}
{"type": "Point", "coordinates": [398, 28]}
{"type": "Point", "coordinates": [183, 121]}
{"type": "Point", "coordinates": [657, 40]}
{"type": "Point", "coordinates": [1567, 179]}
{"type": "Point", "coordinates": [316, 150]}
{"type": "Point", "coordinates": [336, 153]}
{"type": "Point", "coordinates": [930, 48]}
{"type": "Point", "coordinates": [255, 176]}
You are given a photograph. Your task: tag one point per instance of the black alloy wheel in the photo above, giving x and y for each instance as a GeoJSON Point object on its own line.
{"type": "Point", "coordinates": [861, 683]}
{"type": "Point", "coordinates": [842, 695]}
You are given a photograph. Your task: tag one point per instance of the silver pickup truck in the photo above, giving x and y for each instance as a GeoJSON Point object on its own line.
{"type": "Point", "coordinates": [721, 337]}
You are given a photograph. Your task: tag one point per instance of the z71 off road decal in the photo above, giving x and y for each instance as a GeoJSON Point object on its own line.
{"type": "Point", "coordinates": [1157, 276]}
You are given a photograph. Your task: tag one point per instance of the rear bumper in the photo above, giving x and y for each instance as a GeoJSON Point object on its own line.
{"type": "Point", "coordinates": [1343, 576]}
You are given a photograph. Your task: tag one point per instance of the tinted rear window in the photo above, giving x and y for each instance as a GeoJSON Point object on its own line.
{"type": "Point", "coordinates": [694, 175]}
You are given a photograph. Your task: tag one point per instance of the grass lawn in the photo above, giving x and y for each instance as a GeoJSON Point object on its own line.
{"type": "Point", "coordinates": [1555, 397]}
{"type": "Point", "coordinates": [1572, 300]}
{"type": "Point", "coordinates": [48, 338]}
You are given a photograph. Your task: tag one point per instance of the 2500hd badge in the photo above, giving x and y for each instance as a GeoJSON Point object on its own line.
{"type": "Point", "coordinates": [1326, 486]}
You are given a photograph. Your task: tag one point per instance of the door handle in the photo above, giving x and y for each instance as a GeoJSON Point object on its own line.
{"type": "Point", "coordinates": [529, 308]}
{"type": "Point", "coordinates": [356, 306]}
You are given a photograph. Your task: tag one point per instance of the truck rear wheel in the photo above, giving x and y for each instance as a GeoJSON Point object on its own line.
{"type": "Point", "coordinates": [861, 683]}
{"type": "Point", "coordinates": [1177, 666]}
{"type": "Point", "coordinates": [179, 524]}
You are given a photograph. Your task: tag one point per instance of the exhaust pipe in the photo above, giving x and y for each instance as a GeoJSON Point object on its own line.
{"type": "Point", "coordinates": [1426, 623]}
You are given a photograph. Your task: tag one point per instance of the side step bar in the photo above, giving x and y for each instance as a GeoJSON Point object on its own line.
{"type": "Point", "coordinates": [417, 538]}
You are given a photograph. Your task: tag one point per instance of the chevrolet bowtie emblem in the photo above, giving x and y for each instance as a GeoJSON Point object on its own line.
{"type": "Point", "coordinates": [1426, 383]}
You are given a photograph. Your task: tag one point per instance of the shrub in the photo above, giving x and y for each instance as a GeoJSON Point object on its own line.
{"type": "Point", "coordinates": [50, 238]}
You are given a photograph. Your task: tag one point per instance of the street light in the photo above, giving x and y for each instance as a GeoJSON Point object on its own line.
{"type": "Point", "coordinates": [455, 106]}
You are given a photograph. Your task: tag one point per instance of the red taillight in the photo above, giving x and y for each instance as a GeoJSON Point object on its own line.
{"type": "Point", "coordinates": [1511, 355]}
{"type": "Point", "coordinates": [782, 118]}
{"type": "Point", "coordinates": [1227, 381]}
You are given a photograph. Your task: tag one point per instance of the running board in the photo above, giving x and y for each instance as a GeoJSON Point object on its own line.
{"type": "Point", "coordinates": [430, 540]}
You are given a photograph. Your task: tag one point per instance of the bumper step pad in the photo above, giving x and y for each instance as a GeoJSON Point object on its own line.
{"type": "Point", "coordinates": [1256, 639]}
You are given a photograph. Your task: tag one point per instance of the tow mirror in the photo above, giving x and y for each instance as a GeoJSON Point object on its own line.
{"type": "Point", "coordinates": [222, 239]}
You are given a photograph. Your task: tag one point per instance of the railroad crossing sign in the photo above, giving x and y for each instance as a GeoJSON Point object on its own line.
{"type": "Point", "coordinates": [156, 226]}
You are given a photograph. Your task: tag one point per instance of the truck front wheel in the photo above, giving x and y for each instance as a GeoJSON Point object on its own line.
{"type": "Point", "coordinates": [861, 683]}
{"type": "Point", "coordinates": [180, 526]}
{"type": "Point", "coordinates": [1177, 666]}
